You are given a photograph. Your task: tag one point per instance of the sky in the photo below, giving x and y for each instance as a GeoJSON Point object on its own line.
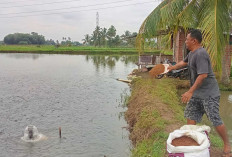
{"type": "Point", "coordinates": [56, 19]}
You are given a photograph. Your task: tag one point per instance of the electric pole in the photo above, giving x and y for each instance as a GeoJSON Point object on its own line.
{"type": "Point", "coordinates": [97, 20]}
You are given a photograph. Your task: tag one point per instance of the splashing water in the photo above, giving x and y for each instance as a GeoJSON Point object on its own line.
{"type": "Point", "coordinates": [31, 134]}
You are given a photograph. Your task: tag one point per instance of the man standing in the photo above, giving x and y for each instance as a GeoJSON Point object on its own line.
{"type": "Point", "coordinates": [204, 95]}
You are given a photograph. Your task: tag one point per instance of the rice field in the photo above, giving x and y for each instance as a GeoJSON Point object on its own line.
{"type": "Point", "coordinates": [70, 49]}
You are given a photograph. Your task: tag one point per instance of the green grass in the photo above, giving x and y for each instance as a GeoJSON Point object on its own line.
{"type": "Point", "coordinates": [167, 91]}
{"type": "Point", "coordinates": [149, 119]}
{"type": "Point", "coordinates": [70, 49]}
{"type": "Point", "coordinates": [226, 87]}
{"type": "Point", "coordinates": [167, 52]}
{"type": "Point", "coordinates": [153, 147]}
{"type": "Point", "coordinates": [124, 98]}
{"type": "Point", "coordinates": [216, 141]}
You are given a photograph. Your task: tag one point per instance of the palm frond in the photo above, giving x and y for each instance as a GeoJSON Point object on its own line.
{"type": "Point", "coordinates": [189, 16]}
{"type": "Point", "coordinates": [150, 26]}
{"type": "Point", "coordinates": [170, 12]}
{"type": "Point", "coordinates": [215, 25]}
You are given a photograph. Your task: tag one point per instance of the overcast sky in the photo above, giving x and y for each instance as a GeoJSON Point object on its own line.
{"type": "Point", "coordinates": [72, 18]}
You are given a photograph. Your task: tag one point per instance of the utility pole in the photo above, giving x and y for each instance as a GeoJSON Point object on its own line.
{"type": "Point", "coordinates": [97, 19]}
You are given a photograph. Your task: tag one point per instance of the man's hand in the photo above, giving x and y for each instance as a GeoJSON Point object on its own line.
{"type": "Point", "coordinates": [170, 68]}
{"type": "Point", "coordinates": [178, 66]}
{"type": "Point", "coordinates": [186, 96]}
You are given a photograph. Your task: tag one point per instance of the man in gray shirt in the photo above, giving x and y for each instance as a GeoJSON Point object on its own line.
{"type": "Point", "coordinates": [204, 95]}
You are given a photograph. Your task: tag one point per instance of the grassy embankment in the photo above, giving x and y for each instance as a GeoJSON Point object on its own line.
{"type": "Point", "coordinates": [69, 49]}
{"type": "Point", "coordinates": [155, 110]}
{"type": "Point", "coordinates": [229, 86]}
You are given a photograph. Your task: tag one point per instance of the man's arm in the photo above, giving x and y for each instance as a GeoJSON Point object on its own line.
{"type": "Point", "coordinates": [187, 95]}
{"type": "Point", "coordinates": [178, 66]}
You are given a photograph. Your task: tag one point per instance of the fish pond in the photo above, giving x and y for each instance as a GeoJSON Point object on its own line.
{"type": "Point", "coordinates": [78, 93]}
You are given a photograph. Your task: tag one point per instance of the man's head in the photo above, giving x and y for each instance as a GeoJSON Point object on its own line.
{"type": "Point", "coordinates": [193, 39]}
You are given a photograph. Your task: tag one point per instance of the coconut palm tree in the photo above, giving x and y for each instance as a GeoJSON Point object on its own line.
{"type": "Point", "coordinates": [212, 17]}
{"type": "Point", "coordinates": [103, 35]}
{"type": "Point", "coordinates": [86, 41]}
{"type": "Point", "coordinates": [96, 36]}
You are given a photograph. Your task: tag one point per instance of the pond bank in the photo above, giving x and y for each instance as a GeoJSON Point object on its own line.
{"type": "Point", "coordinates": [155, 110]}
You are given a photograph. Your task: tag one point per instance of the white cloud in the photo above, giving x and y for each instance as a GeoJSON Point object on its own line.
{"type": "Point", "coordinates": [75, 24]}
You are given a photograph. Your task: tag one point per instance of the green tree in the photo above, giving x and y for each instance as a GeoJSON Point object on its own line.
{"type": "Point", "coordinates": [116, 41]}
{"type": "Point", "coordinates": [111, 33]}
{"type": "Point", "coordinates": [87, 39]}
{"type": "Point", "coordinates": [129, 38]}
{"type": "Point", "coordinates": [96, 37]}
{"type": "Point", "coordinates": [21, 38]}
{"type": "Point", "coordinates": [50, 42]}
{"type": "Point", "coordinates": [212, 17]}
{"type": "Point", "coordinates": [103, 39]}
{"type": "Point", "coordinates": [125, 37]}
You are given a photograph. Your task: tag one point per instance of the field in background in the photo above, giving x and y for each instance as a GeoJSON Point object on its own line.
{"type": "Point", "coordinates": [72, 49]}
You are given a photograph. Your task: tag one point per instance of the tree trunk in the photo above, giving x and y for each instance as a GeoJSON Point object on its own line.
{"type": "Point", "coordinates": [226, 65]}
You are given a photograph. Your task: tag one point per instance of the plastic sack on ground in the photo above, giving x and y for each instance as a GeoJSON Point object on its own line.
{"type": "Point", "coordinates": [201, 128]}
{"type": "Point", "coordinates": [189, 151]}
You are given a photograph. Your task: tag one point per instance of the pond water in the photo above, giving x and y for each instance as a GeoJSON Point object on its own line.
{"type": "Point", "coordinates": [226, 111]}
{"type": "Point", "coordinates": [78, 93]}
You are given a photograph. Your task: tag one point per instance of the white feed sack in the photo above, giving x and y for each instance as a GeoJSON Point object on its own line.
{"type": "Point", "coordinates": [190, 151]}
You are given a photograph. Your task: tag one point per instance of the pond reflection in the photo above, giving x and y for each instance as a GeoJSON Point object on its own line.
{"type": "Point", "coordinates": [23, 55]}
{"type": "Point", "coordinates": [110, 61]}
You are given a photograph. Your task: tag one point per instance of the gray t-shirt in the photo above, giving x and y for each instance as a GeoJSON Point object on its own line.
{"type": "Point", "coordinates": [199, 63]}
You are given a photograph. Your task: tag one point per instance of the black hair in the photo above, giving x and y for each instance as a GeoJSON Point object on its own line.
{"type": "Point", "coordinates": [196, 33]}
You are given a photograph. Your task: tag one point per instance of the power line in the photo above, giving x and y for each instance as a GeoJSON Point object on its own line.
{"type": "Point", "coordinates": [67, 8]}
{"type": "Point", "coordinates": [39, 4]}
{"type": "Point", "coordinates": [83, 10]}
{"type": "Point", "coordinates": [17, 1]}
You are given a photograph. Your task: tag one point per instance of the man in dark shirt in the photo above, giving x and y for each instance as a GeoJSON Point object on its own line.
{"type": "Point", "coordinates": [204, 95]}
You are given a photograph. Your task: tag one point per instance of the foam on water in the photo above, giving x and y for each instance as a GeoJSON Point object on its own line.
{"type": "Point", "coordinates": [31, 134]}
